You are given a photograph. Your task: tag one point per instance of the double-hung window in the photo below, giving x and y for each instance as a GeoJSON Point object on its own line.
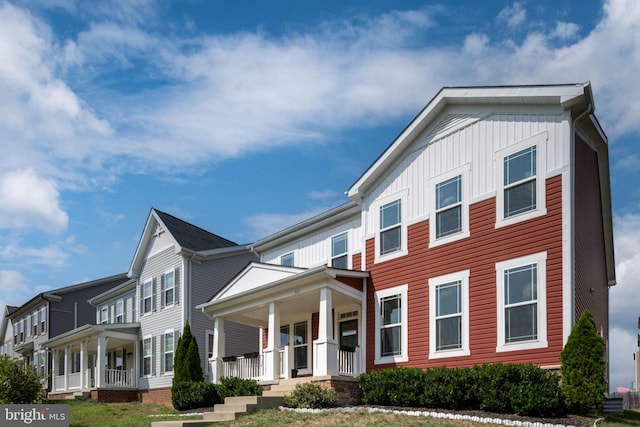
{"type": "Point", "coordinates": [339, 251]}
{"type": "Point", "coordinates": [522, 303]}
{"type": "Point", "coordinates": [21, 329]}
{"type": "Point", "coordinates": [449, 315]}
{"type": "Point", "coordinates": [104, 314]}
{"type": "Point", "coordinates": [43, 320]}
{"type": "Point", "coordinates": [34, 322]}
{"type": "Point", "coordinates": [287, 260]}
{"type": "Point", "coordinates": [28, 326]}
{"type": "Point", "coordinates": [167, 356]}
{"type": "Point", "coordinates": [147, 297]}
{"type": "Point", "coordinates": [169, 286]}
{"type": "Point", "coordinates": [391, 324]}
{"type": "Point", "coordinates": [120, 311]}
{"type": "Point", "coordinates": [147, 353]}
{"type": "Point", "coordinates": [390, 227]}
{"type": "Point", "coordinates": [521, 180]}
{"type": "Point", "coordinates": [449, 207]}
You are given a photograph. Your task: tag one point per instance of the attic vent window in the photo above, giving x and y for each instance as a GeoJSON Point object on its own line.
{"type": "Point", "coordinates": [348, 314]}
{"type": "Point", "coordinates": [159, 230]}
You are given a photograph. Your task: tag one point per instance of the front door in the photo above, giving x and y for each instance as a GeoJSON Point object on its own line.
{"type": "Point", "coordinates": [349, 334]}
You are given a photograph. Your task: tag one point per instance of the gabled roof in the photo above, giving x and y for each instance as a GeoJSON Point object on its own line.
{"type": "Point", "coordinates": [575, 97]}
{"type": "Point", "coordinates": [190, 236]}
{"type": "Point", "coordinates": [187, 237]}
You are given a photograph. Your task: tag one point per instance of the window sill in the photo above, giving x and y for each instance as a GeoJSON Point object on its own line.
{"type": "Point", "coordinates": [391, 359]}
{"type": "Point", "coordinates": [450, 353]}
{"type": "Point", "coordinates": [448, 239]}
{"type": "Point", "coordinates": [529, 345]}
{"type": "Point", "coordinates": [393, 255]}
{"type": "Point", "coordinates": [503, 222]}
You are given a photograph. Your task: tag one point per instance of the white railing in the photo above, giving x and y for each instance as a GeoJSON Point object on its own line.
{"type": "Point", "coordinates": [247, 366]}
{"type": "Point", "coordinates": [58, 383]}
{"type": "Point", "coordinates": [349, 361]}
{"type": "Point", "coordinates": [284, 362]}
{"type": "Point", "coordinates": [73, 381]}
{"type": "Point", "coordinates": [118, 378]}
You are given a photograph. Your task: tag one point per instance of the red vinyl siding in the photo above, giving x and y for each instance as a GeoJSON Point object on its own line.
{"type": "Point", "coordinates": [479, 253]}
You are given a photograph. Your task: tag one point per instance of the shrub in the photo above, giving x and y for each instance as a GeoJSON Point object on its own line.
{"type": "Point", "coordinates": [537, 393]}
{"type": "Point", "coordinates": [186, 363]}
{"type": "Point", "coordinates": [309, 395]}
{"type": "Point", "coordinates": [194, 394]}
{"type": "Point", "coordinates": [234, 386]}
{"type": "Point", "coordinates": [583, 366]}
{"type": "Point", "coordinates": [450, 388]}
{"type": "Point", "coordinates": [494, 387]}
{"type": "Point", "coordinates": [393, 386]}
{"type": "Point", "coordinates": [18, 384]}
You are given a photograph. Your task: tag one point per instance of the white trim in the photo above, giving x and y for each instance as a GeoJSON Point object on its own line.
{"type": "Point", "coordinates": [164, 351]}
{"type": "Point", "coordinates": [347, 253]}
{"type": "Point", "coordinates": [163, 288]}
{"type": "Point", "coordinates": [464, 172]}
{"type": "Point", "coordinates": [293, 259]}
{"type": "Point", "coordinates": [540, 259]}
{"type": "Point", "coordinates": [463, 278]}
{"type": "Point", "coordinates": [402, 197]}
{"type": "Point", "coordinates": [401, 290]}
{"type": "Point", "coordinates": [540, 142]}
{"type": "Point", "coordinates": [210, 332]}
{"type": "Point", "coordinates": [142, 373]}
{"type": "Point", "coordinates": [309, 344]}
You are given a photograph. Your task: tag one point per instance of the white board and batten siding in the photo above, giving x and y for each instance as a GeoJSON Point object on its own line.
{"type": "Point", "coordinates": [314, 249]}
{"type": "Point", "coordinates": [161, 318]}
{"type": "Point", "coordinates": [473, 145]}
{"type": "Point", "coordinates": [207, 278]}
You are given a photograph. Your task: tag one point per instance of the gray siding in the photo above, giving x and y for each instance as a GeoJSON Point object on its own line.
{"type": "Point", "coordinates": [207, 279]}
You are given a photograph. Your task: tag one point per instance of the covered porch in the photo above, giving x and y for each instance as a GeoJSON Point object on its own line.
{"type": "Point", "coordinates": [312, 323]}
{"type": "Point", "coordinates": [94, 357]}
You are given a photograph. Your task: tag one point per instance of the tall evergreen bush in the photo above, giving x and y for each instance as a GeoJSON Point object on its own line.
{"type": "Point", "coordinates": [583, 366]}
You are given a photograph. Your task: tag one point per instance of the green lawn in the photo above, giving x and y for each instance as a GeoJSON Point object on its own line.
{"type": "Point", "coordinates": [90, 414]}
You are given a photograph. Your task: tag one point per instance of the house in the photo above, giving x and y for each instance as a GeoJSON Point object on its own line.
{"type": "Point", "coordinates": [479, 235]}
{"type": "Point", "coordinates": [126, 350]}
{"type": "Point", "coordinates": [6, 331]}
{"type": "Point", "coordinates": [48, 315]}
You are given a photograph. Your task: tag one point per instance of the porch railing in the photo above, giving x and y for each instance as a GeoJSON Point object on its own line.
{"type": "Point", "coordinates": [349, 361]}
{"type": "Point", "coordinates": [248, 366]}
{"type": "Point", "coordinates": [118, 378]}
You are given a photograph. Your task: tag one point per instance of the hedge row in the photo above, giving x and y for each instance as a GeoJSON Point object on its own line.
{"type": "Point", "coordinates": [189, 394]}
{"type": "Point", "coordinates": [502, 388]}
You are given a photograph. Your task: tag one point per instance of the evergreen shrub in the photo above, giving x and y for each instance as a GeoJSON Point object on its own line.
{"type": "Point", "coordinates": [194, 394]}
{"type": "Point", "coordinates": [583, 367]}
{"type": "Point", "coordinates": [234, 386]}
{"type": "Point", "coordinates": [310, 395]}
{"type": "Point", "coordinates": [393, 386]}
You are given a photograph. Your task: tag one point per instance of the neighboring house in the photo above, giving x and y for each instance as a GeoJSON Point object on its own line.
{"type": "Point", "coordinates": [127, 350]}
{"type": "Point", "coordinates": [6, 331]}
{"type": "Point", "coordinates": [50, 314]}
{"type": "Point", "coordinates": [479, 235]}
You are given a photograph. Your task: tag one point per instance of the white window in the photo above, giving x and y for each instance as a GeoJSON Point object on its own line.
{"type": "Point", "coordinates": [449, 197]}
{"type": "Point", "coordinates": [522, 303]}
{"type": "Point", "coordinates": [209, 344]}
{"type": "Point", "coordinates": [521, 180]}
{"type": "Point", "coordinates": [339, 251]}
{"type": "Point", "coordinates": [28, 326]}
{"type": "Point", "coordinates": [297, 336]}
{"type": "Point", "coordinates": [449, 315]}
{"type": "Point", "coordinates": [104, 314]}
{"type": "Point", "coordinates": [287, 260]}
{"type": "Point", "coordinates": [43, 362]}
{"type": "Point", "coordinates": [147, 297]}
{"type": "Point", "coordinates": [391, 324]}
{"type": "Point", "coordinates": [391, 227]}
{"type": "Point", "coordinates": [21, 329]}
{"type": "Point", "coordinates": [120, 311]}
{"type": "Point", "coordinates": [34, 323]}
{"type": "Point", "coordinates": [43, 320]}
{"type": "Point", "coordinates": [168, 288]}
{"type": "Point", "coordinates": [147, 355]}
{"type": "Point", "coordinates": [167, 351]}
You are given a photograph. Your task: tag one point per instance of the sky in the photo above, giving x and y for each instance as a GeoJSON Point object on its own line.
{"type": "Point", "coordinates": [247, 117]}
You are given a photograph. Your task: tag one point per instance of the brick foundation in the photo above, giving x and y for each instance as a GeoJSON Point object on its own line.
{"type": "Point", "coordinates": [58, 396]}
{"type": "Point", "coordinates": [156, 395]}
{"type": "Point", "coordinates": [348, 390]}
{"type": "Point", "coordinates": [112, 396]}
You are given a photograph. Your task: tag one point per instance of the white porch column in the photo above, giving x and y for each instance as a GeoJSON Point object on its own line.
{"type": "Point", "coordinates": [54, 371]}
{"type": "Point", "coordinates": [82, 364]}
{"type": "Point", "coordinates": [101, 360]}
{"type": "Point", "coordinates": [272, 352]}
{"type": "Point", "coordinates": [216, 363]}
{"type": "Point", "coordinates": [67, 359]}
{"type": "Point", "coordinates": [325, 355]}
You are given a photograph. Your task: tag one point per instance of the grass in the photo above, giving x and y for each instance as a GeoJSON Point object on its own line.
{"type": "Point", "coordinates": [95, 414]}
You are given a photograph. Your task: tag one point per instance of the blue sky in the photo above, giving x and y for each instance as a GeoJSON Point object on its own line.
{"type": "Point", "coordinates": [246, 117]}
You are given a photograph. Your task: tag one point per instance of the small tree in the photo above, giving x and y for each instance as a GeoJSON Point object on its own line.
{"type": "Point", "coordinates": [192, 361]}
{"type": "Point", "coordinates": [583, 366]}
{"type": "Point", "coordinates": [19, 384]}
{"type": "Point", "coordinates": [186, 363]}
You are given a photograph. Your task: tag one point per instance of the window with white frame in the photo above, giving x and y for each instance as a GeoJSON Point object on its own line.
{"type": "Point", "coordinates": [119, 311]}
{"type": "Point", "coordinates": [104, 314]}
{"type": "Point", "coordinates": [521, 290]}
{"type": "Point", "coordinates": [449, 315]}
{"type": "Point", "coordinates": [167, 351]}
{"type": "Point", "coordinates": [287, 260]}
{"type": "Point", "coordinates": [449, 207]}
{"type": "Point", "coordinates": [147, 297]}
{"type": "Point", "coordinates": [42, 363]}
{"type": "Point", "coordinates": [391, 324]}
{"type": "Point", "coordinates": [34, 322]}
{"type": "Point", "coordinates": [147, 355]}
{"type": "Point", "coordinates": [339, 251]}
{"type": "Point", "coordinates": [43, 320]}
{"type": "Point", "coordinates": [209, 344]}
{"type": "Point", "coordinates": [21, 330]}
{"type": "Point", "coordinates": [521, 180]}
{"type": "Point", "coordinates": [168, 290]}
{"type": "Point", "coordinates": [390, 227]}
{"type": "Point", "coordinates": [28, 325]}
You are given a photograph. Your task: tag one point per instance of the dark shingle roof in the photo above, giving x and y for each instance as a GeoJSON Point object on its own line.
{"type": "Point", "coordinates": [191, 237]}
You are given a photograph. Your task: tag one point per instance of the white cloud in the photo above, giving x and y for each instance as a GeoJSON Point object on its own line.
{"type": "Point", "coordinates": [513, 15]}
{"type": "Point", "coordinates": [622, 344]}
{"type": "Point", "coordinates": [14, 289]}
{"type": "Point", "coordinates": [265, 224]}
{"type": "Point", "coordinates": [565, 30]}
{"type": "Point", "coordinates": [30, 201]}
{"type": "Point", "coordinates": [325, 195]}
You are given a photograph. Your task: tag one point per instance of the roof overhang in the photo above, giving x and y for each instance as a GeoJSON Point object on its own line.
{"type": "Point", "coordinates": [125, 331]}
